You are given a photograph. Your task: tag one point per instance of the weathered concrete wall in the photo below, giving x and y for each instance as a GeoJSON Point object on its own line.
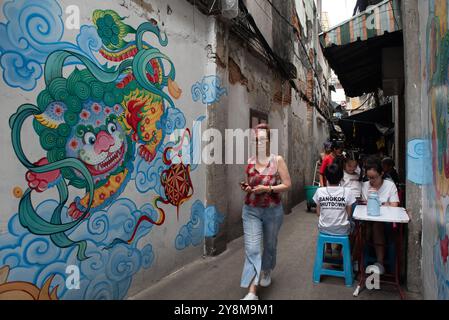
{"type": "Point", "coordinates": [99, 126]}
{"type": "Point", "coordinates": [255, 93]}
{"type": "Point", "coordinates": [413, 98]}
{"type": "Point", "coordinates": [426, 58]}
{"type": "Point", "coordinates": [253, 85]}
{"type": "Point", "coordinates": [121, 118]}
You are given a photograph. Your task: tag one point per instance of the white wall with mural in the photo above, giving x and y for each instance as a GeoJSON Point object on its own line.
{"type": "Point", "coordinates": [90, 176]}
{"type": "Point", "coordinates": [427, 156]}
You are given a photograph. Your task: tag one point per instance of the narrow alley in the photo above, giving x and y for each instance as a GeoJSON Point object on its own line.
{"type": "Point", "coordinates": [218, 278]}
{"type": "Point", "coordinates": [224, 150]}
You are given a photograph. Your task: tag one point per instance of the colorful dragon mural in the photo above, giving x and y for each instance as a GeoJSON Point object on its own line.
{"type": "Point", "coordinates": [103, 117]}
{"type": "Point", "coordinates": [91, 122]}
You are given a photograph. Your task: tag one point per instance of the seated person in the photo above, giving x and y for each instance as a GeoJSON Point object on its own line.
{"type": "Point", "coordinates": [388, 195]}
{"type": "Point", "coordinates": [389, 170]}
{"type": "Point", "coordinates": [336, 150]}
{"type": "Point", "coordinates": [351, 177]}
{"type": "Point", "coordinates": [334, 206]}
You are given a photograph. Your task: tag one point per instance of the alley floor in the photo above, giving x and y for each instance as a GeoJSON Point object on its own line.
{"type": "Point", "coordinates": [218, 278]}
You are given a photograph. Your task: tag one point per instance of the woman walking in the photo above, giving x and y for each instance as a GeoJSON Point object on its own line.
{"type": "Point", "coordinates": [266, 178]}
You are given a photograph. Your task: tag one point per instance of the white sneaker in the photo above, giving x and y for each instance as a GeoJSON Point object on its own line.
{"type": "Point", "coordinates": [250, 296]}
{"type": "Point", "coordinates": [265, 279]}
{"type": "Point", "coordinates": [381, 268]}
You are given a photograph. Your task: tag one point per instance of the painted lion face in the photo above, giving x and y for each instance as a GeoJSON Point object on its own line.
{"type": "Point", "coordinates": [99, 140]}
{"type": "Point", "coordinates": [81, 118]}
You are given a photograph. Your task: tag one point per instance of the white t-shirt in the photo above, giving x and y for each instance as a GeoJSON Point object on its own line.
{"type": "Point", "coordinates": [333, 202]}
{"type": "Point", "coordinates": [387, 192]}
{"type": "Point", "coordinates": [352, 182]}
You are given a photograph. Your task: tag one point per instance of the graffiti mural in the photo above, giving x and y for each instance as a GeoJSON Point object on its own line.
{"type": "Point", "coordinates": [33, 30]}
{"type": "Point", "coordinates": [104, 115]}
{"type": "Point", "coordinates": [437, 63]}
{"type": "Point", "coordinates": [209, 90]}
{"type": "Point", "coordinates": [90, 122]}
{"type": "Point", "coordinates": [106, 274]}
{"type": "Point", "coordinates": [204, 222]}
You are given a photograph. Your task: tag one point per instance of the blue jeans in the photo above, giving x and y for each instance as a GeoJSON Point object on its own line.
{"type": "Point", "coordinates": [261, 227]}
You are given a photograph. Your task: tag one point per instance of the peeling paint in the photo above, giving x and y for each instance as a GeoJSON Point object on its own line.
{"type": "Point", "coordinates": [235, 74]}
{"type": "Point", "coordinates": [145, 5]}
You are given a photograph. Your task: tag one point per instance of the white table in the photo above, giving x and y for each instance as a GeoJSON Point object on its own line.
{"type": "Point", "coordinates": [387, 214]}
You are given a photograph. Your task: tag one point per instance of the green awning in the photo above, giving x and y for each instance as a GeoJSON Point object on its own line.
{"type": "Point", "coordinates": [354, 48]}
{"type": "Point", "coordinates": [377, 20]}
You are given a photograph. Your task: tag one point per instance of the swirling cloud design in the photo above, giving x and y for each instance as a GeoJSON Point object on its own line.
{"type": "Point", "coordinates": [107, 274]}
{"type": "Point", "coordinates": [204, 222]}
{"type": "Point", "coordinates": [33, 30]}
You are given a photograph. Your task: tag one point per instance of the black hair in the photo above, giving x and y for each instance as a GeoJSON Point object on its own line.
{"type": "Point", "coordinates": [340, 161]}
{"type": "Point", "coordinates": [388, 161]}
{"type": "Point", "coordinates": [358, 164]}
{"type": "Point", "coordinates": [336, 145]}
{"type": "Point", "coordinates": [350, 158]}
{"type": "Point", "coordinates": [333, 173]}
{"type": "Point", "coordinates": [373, 163]}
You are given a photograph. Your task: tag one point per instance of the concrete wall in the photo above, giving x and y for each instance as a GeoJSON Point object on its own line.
{"type": "Point", "coordinates": [39, 239]}
{"type": "Point", "coordinates": [426, 62]}
{"type": "Point", "coordinates": [252, 84]}
{"type": "Point", "coordinates": [99, 124]}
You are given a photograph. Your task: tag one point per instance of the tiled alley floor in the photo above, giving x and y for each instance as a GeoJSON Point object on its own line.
{"type": "Point", "coordinates": [219, 277]}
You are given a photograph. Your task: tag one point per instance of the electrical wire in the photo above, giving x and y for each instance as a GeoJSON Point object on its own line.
{"type": "Point", "coordinates": [244, 32]}
{"type": "Point", "coordinates": [213, 4]}
{"type": "Point", "coordinates": [303, 47]}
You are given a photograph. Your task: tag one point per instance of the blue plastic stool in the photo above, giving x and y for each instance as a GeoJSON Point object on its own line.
{"type": "Point", "coordinates": [318, 270]}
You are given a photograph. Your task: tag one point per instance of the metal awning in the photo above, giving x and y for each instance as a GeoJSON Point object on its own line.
{"type": "Point", "coordinates": [354, 47]}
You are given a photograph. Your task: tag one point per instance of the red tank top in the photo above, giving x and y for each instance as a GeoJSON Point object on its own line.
{"type": "Point", "coordinates": [269, 176]}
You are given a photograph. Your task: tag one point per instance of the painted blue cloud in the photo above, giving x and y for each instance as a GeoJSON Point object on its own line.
{"type": "Point", "coordinates": [212, 221]}
{"type": "Point", "coordinates": [147, 176]}
{"type": "Point", "coordinates": [89, 41]}
{"type": "Point", "coordinates": [419, 162]}
{"type": "Point", "coordinates": [107, 274]}
{"type": "Point", "coordinates": [209, 90]}
{"type": "Point", "coordinates": [204, 222]}
{"type": "Point", "coordinates": [172, 119]}
{"type": "Point", "coordinates": [18, 72]}
{"type": "Point", "coordinates": [32, 31]}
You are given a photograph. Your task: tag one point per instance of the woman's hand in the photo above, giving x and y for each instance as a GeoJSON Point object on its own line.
{"type": "Point", "coordinates": [261, 189]}
{"type": "Point", "coordinates": [245, 187]}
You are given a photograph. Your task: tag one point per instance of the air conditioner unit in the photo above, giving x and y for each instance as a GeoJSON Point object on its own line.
{"type": "Point", "coordinates": [230, 8]}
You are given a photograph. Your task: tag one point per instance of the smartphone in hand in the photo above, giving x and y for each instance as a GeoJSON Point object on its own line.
{"type": "Point", "coordinates": [243, 185]}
